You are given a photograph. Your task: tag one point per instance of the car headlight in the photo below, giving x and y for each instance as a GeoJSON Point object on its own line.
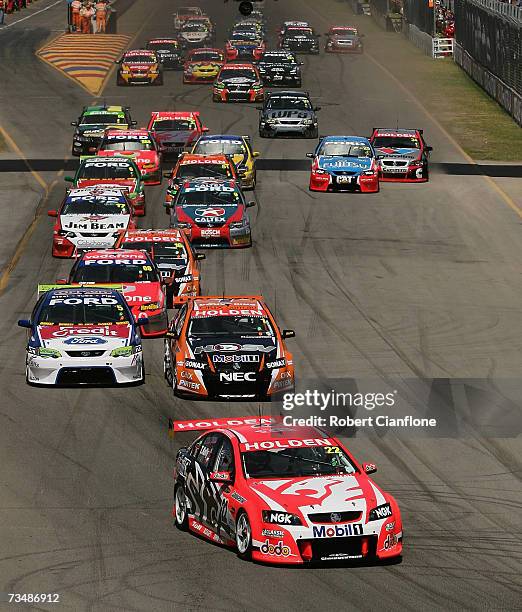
{"type": "Point", "coordinates": [66, 233]}
{"type": "Point", "coordinates": [280, 518]}
{"type": "Point", "coordinates": [46, 353]}
{"type": "Point", "coordinates": [182, 225]}
{"type": "Point", "coordinates": [320, 171]}
{"type": "Point", "coordinates": [126, 351]}
{"type": "Point", "coordinates": [308, 121]}
{"type": "Point", "coordinates": [219, 86]}
{"type": "Point", "coordinates": [369, 172]}
{"type": "Point", "coordinates": [380, 512]}
{"type": "Point", "coordinates": [272, 121]}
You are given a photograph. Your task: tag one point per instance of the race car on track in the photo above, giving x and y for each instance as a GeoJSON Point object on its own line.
{"type": "Point", "coordinates": [118, 172]}
{"type": "Point", "coordinates": [190, 167]}
{"type": "Point", "coordinates": [140, 146]}
{"type": "Point", "coordinates": [82, 336]}
{"type": "Point", "coordinates": [174, 131]}
{"type": "Point", "coordinates": [174, 257]}
{"type": "Point", "coordinates": [300, 39]}
{"type": "Point", "coordinates": [169, 52]}
{"type": "Point", "coordinates": [402, 153]}
{"type": "Point", "coordinates": [239, 148]}
{"type": "Point", "coordinates": [238, 83]}
{"type": "Point", "coordinates": [203, 65]}
{"type": "Point", "coordinates": [90, 218]}
{"type": "Point", "coordinates": [281, 31]}
{"type": "Point", "coordinates": [278, 68]}
{"type": "Point", "coordinates": [92, 123]}
{"type": "Point", "coordinates": [343, 39]}
{"type": "Point", "coordinates": [227, 348]}
{"type": "Point", "coordinates": [139, 277]}
{"type": "Point", "coordinates": [213, 213]}
{"type": "Point", "coordinates": [282, 494]}
{"type": "Point", "coordinates": [184, 13]}
{"type": "Point", "coordinates": [243, 45]}
{"type": "Point", "coordinates": [288, 113]}
{"type": "Point", "coordinates": [139, 67]}
{"type": "Point", "coordinates": [196, 32]}
{"type": "Point", "coordinates": [344, 163]}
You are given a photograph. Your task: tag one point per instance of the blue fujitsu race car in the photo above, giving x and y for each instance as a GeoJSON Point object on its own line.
{"type": "Point", "coordinates": [83, 335]}
{"type": "Point", "coordinates": [344, 163]}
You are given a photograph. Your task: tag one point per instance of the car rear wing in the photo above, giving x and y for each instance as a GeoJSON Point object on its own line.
{"type": "Point", "coordinates": [44, 288]}
{"type": "Point", "coordinates": [204, 425]}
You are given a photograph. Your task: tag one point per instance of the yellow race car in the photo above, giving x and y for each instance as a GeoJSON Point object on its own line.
{"type": "Point", "coordinates": [203, 65]}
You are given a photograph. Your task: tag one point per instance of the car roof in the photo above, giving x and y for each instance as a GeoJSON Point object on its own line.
{"type": "Point", "coordinates": [82, 291]}
{"type": "Point", "coordinates": [132, 52]}
{"type": "Point", "coordinates": [174, 114]}
{"type": "Point", "coordinates": [394, 131]}
{"type": "Point", "coordinates": [238, 66]}
{"type": "Point", "coordinates": [203, 181]}
{"type": "Point", "coordinates": [135, 132]}
{"type": "Point", "coordinates": [104, 109]}
{"type": "Point", "coordinates": [252, 434]}
{"type": "Point", "coordinates": [289, 92]}
{"type": "Point", "coordinates": [162, 40]}
{"type": "Point", "coordinates": [95, 190]}
{"type": "Point", "coordinates": [192, 158]}
{"type": "Point", "coordinates": [107, 160]}
{"type": "Point", "coordinates": [166, 235]}
{"type": "Point", "coordinates": [206, 50]}
{"type": "Point", "coordinates": [203, 305]}
{"type": "Point", "coordinates": [220, 137]}
{"type": "Point", "coordinates": [112, 254]}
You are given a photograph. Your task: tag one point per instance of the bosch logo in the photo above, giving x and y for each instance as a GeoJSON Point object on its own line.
{"type": "Point", "coordinates": [210, 212]}
{"type": "Point", "coordinates": [85, 340]}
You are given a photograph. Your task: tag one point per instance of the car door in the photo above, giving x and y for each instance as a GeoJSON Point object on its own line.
{"type": "Point", "coordinates": [221, 480]}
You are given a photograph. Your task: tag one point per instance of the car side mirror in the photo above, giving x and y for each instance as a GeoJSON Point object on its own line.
{"type": "Point", "coordinates": [68, 179]}
{"type": "Point", "coordinates": [74, 123]}
{"type": "Point", "coordinates": [310, 155]}
{"type": "Point", "coordinates": [250, 204]}
{"type": "Point", "coordinates": [172, 335]}
{"type": "Point", "coordinates": [429, 148]}
{"type": "Point", "coordinates": [317, 108]}
{"type": "Point", "coordinates": [167, 174]}
{"type": "Point", "coordinates": [223, 477]}
{"type": "Point", "coordinates": [255, 154]}
{"type": "Point", "coordinates": [369, 468]}
{"type": "Point", "coordinates": [62, 281]}
{"type": "Point", "coordinates": [288, 333]}
{"type": "Point", "coordinates": [200, 256]}
{"type": "Point", "coordinates": [52, 213]}
{"type": "Point", "coordinates": [362, 35]}
{"type": "Point", "coordinates": [134, 122]}
{"type": "Point", "coordinates": [25, 323]}
{"type": "Point", "coordinates": [142, 321]}
{"type": "Point", "coordinates": [259, 108]}
{"type": "Point", "coordinates": [205, 129]}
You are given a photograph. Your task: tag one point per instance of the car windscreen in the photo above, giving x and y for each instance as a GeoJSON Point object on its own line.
{"type": "Point", "coordinates": [139, 59]}
{"type": "Point", "coordinates": [95, 206]}
{"type": "Point", "coordinates": [217, 147]}
{"type": "Point", "coordinates": [84, 314]}
{"type": "Point", "coordinates": [102, 119]}
{"type": "Point", "coordinates": [277, 59]}
{"type": "Point", "coordinates": [208, 198]}
{"type": "Point", "coordinates": [206, 56]}
{"type": "Point", "coordinates": [297, 462]}
{"type": "Point", "coordinates": [133, 144]}
{"type": "Point", "coordinates": [99, 170]}
{"type": "Point", "coordinates": [190, 171]}
{"type": "Point", "coordinates": [345, 149]}
{"type": "Point", "coordinates": [172, 125]}
{"type": "Point", "coordinates": [397, 142]}
{"type": "Point", "coordinates": [343, 32]}
{"type": "Point", "coordinates": [163, 46]}
{"type": "Point", "coordinates": [244, 73]}
{"type": "Point", "coordinates": [244, 35]}
{"type": "Point", "coordinates": [237, 326]}
{"type": "Point", "coordinates": [115, 273]}
{"type": "Point", "coordinates": [287, 102]}
{"type": "Point", "coordinates": [160, 251]}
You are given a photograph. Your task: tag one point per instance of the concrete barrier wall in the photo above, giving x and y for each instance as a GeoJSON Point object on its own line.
{"type": "Point", "coordinates": [507, 97]}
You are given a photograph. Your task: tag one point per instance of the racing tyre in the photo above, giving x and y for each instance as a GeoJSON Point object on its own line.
{"type": "Point", "coordinates": [159, 80]}
{"type": "Point", "coordinates": [180, 508]}
{"type": "Point", "coordinates": [120, 82]}
{"type": "Point", "coordinates": [244, 537]}
{"type": "Point", "coordinates": [313, 133]}
{"type": "Point", "coordinates": [299, 83]}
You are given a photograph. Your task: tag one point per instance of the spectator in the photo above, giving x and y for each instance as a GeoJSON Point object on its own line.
{"type": "Point", "coordinates": [85, 18]}
{"type": "Point", "coordinates": [101, 15]}
{"type": "Point", "coordinates": [3, 6]}
{"type": "Point", "coordinates": [76, 6]}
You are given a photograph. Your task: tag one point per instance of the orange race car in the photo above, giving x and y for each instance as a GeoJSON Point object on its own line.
{"type": "Point", "coordinates": [172, 253]}
{"type": "Point", "coordinates": [190, 166]}
{"type": "Point", "coordinates": [138, 145]}
{"type": "Point", "coordinates": [203, 65]}
{"type": "Point", "coordinates": [227, 348]}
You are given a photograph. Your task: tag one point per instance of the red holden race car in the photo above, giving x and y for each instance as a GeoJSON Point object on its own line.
{"type": "Point", "coordinates": [193, 166]}
{"type": "Point", "coordinates": [228, 347]}
{"type": "Point", "coordinates": [203, 65]}
{"type": "Point", "coordinates": [282, 494]}
{"type": "Point", "coordinates": [140, 146]}
{"type": "Point", "coordinates": [343, 39]}
{"type": "Point", "coordinates": [171, 251]}
{"type": "Point", "coordinates": [402, 154]}
{"type": "Point", "coordinates": [175, 130]}
{"type": "Point", "coordinates": [137, 273]}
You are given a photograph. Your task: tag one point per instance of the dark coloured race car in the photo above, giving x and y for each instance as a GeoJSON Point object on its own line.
{"type": "Point", "coordinates": [282, 494]}
{"type": "Point", "coordinates": [402, 154]}
{"type": "Point", "coordinates": [228, 347]}
{"type": "Point", "coordinates": [289, 113]}
{"type": "Point", "coordinates": [140, 67]}
{"type": "Point", "coordinates": [92, 123]}
{"type": "Point", "coordinates": [300, 40]}
{"type": "Point", "coordinates": [344, 163]}
{"type": "Point", "coordinates": [169, 51]}
{"type": "Point", "coordinates": [343, 39]}
{"type": "Point", "coordinates": [244, 46]}
{"type": "Point", "coordinates": [238, 83]}
{"type": "Point", "coordinates": [213, 213]}
{"type": "Point", "coordinates": [279, 68]}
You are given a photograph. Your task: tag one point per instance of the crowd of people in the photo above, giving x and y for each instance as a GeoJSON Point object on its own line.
{"type": "Point", "coordinates": [444, 19]}
{"type": "Point", "coordinates": [10, 6]}
{"type": "Point", "coordinates": [89, 16]}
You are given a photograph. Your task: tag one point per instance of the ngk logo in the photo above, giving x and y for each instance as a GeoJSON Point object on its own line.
{"type": "Point", "coordinates": [237, 376]}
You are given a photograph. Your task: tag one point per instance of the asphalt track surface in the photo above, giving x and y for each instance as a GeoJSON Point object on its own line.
{"type": "Point", "coordinates": [417, 281]}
